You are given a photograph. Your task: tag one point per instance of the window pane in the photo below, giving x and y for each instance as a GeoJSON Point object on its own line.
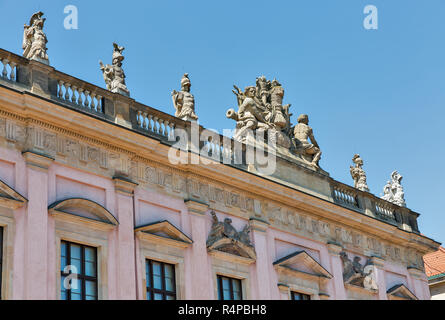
{"type": "Point", "coordinates": [169, 281]}
{"type": "Point", "coordinates": [62, 263]}
{"type": "Point", "coordinates": [63, 249]}
{"type": "Point", "coordinates": [90, 254]}
{"type": "Point", "coordinates": [170, 297]}
{"type": "Point", "coordinates": [157, 278]}
{"type": "Point", "coordinates": [63, 289]}
{"type": "Point", "coordinates": [90, 288]}
{"type": "Point", "coordinates": [75, 296]}
{"type": "Point", "coordinates": [148, 295]}
{"type": "Point", "coordinates": [76, 266]}
{"type": "Point", "coordinates": [236, 289]}
{"type": "Point", "coordinates": [90, 269]}
{"type": "Point", "coordinates": [158, 296]}
{"type": "Point", "coordinates": [75, 251]}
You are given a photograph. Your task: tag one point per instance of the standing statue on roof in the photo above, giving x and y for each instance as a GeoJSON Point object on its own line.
{"type": "Point", "coordinates": [34, 39]}
{"type": "Point", "coordinates": [358, 174]}
{"type": "Point", "coordinates": [114, 75]}
{"type": "Point", "coordinates": [183, 101]}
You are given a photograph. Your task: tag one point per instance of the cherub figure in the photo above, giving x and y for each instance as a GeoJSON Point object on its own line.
{"type": "Point", "coordinates": [34, 39]}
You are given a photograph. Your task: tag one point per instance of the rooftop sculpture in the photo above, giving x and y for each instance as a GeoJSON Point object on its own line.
{"type": "Point", "coordinates": [358, 174]}
{"type": "Point", "coordinates": [183, 101]}
{"type": "Point", "coordinates": [393, 190]}
{"type": "Point", "coordinates": [34, 39]}
{"type": "Point", "coordinates": [261, 110]}
{"type": "Point", "coordinates": [114, 75]}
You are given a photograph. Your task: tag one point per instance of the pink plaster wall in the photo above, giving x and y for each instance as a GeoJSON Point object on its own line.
{"type": "Point", "coordinates": [34, 257]}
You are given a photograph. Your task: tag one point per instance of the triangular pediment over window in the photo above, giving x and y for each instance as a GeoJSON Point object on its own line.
{"type": "Point", "coordinates": [10, 198]}
{"type": "Point", "coordinates": [164, 232]}
{"type": "Point", "coordinates": [400, 292]}
{"type": "Point", "coordinates": [85, 210]}
{"type": "Point", "coordinates": [300, 263]}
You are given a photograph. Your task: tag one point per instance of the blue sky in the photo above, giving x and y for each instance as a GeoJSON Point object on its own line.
{"type": "Point", "coordinates": [380, 93]}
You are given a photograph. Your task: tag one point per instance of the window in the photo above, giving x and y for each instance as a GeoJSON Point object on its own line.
{"type": "Point", "coordinates": [160, 280]}
{"type": "Point", "coordinates": [79, 264]}
{"type": "Point", "coordinates": [229, 288]}
{"type": "Point", "coordinates": [1, 259]}
{"type": "Point", "coordinates": [299, 296]}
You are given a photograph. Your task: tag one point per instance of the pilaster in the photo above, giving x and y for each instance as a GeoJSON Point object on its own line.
{"type": "Point", "coordinates": [37, 228]}
{"type": "Point", "coordinates": [124, 192]}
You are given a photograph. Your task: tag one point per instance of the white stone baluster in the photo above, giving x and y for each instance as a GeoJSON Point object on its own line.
{"type": "Point", "coordinates": [165, 133]}
{"type": "Point", "coordinates": [171, 135]}
{"type": "Point", "coordinates": [149, 127]}
{"type": "Point", "coordinates": [12, 74]}
{"type": "Point", "coordinates": [139, 119]}
{"type": "Point", "coordinates": [99, 103]}
{"type": "Point", "coordinates": [5, 71]}
{"type": "Point", "coordinates": [67, 93]}
{"type": "Point", "coordinates": [93, 104]}
{"type": "Point", "coordinates": [155, 124]}
{"type": "Point", "coordinates": [86, 103]}
{"type": "Point", "coordinates": [73, 97]}
{"type": "Point", "coordinates": [80, 98]}
{"type": "Point", "coordinates": [60, 93]}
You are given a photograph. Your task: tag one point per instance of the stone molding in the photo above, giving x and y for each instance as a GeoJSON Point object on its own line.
{"type": "Point", "coordinates": [258, 224]}
{"type": "Point", "coordinates": [124, 186]}
{"type": "Point", "coordinates": [196, 207]}
{"type": "Point", "coordinates": [37, 161]}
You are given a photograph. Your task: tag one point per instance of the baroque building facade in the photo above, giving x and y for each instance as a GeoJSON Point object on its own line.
{"type": "Point", "coordinates": [92, 207]}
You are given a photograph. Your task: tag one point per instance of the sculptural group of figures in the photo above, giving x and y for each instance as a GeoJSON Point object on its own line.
{"type": "Point", "coordinates": [261, 111]}
{"type": "Point", "coordinates": [356, 274]}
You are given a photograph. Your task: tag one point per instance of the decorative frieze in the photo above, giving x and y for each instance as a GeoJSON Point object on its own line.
{"type": "Point", "coordinates": [87, 153]}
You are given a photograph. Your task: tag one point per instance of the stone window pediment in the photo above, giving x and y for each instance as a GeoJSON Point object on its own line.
{"type": "Point", "coordinates": [400, 292]}
{"type": "Point", "coordinates": [300, 263]}
{"type": "Point", "coordinates": [79, 209]}
{"type": "Point", "coordinates": [228, 243]}
{"type": "Point", "coordinates": [164, 232]}
{"type": "Point", "coordinates": [10, 198]}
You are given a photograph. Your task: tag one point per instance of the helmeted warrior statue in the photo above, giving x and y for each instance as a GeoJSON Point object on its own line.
{"type": "Point", "coordinates": [34, 39]}
{"type": "Point", "coordinates": [358, 174]}
{"type": "Point", "coordinates": [184, 102]}
{"type": "Point", "coordinates": [310, 152]}
{"type": "Point", "coordinates": [114, 75]}
{"type": "Point", "coordinates": [393, 190]}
